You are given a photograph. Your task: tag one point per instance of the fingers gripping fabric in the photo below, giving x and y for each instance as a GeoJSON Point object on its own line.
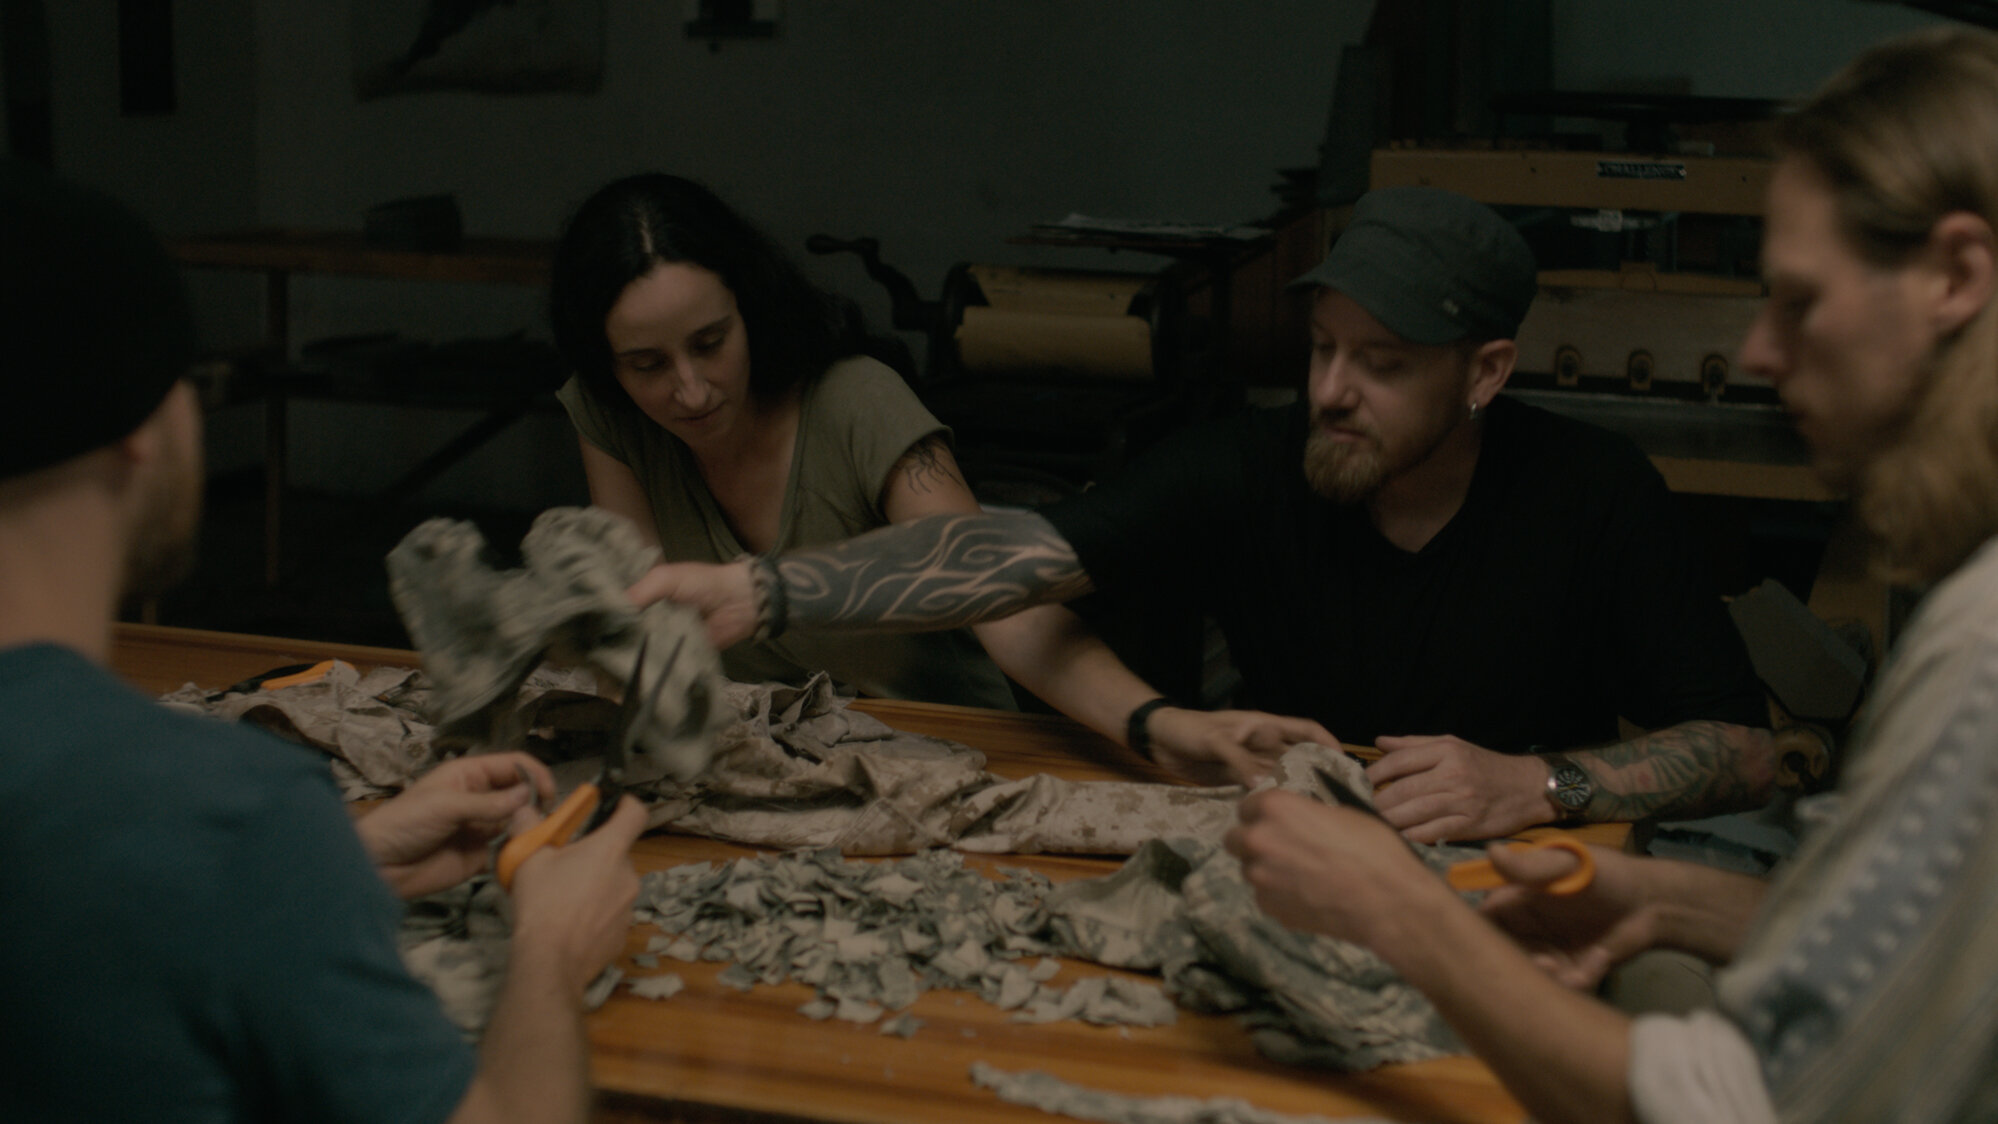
{"type": "Point", "coordinates": [482, 630]}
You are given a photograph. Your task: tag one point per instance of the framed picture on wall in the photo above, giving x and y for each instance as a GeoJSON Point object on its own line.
{"type": "Point", "coordinates": [491, 46]}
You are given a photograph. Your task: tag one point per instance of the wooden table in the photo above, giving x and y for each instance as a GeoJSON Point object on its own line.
{"type": "Point", "coordinates": [712, 1053]}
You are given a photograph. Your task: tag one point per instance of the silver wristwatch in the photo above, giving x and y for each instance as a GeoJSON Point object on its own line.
{"type": "Point", "coordinates": [1569, 789]}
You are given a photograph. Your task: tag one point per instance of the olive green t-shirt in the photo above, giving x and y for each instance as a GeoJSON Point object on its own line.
{"type": "Point", "coordinates": [855, 422]}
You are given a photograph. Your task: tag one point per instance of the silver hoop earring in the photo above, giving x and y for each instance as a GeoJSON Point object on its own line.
{"type": "Point", "coordinates": [1477, 409]}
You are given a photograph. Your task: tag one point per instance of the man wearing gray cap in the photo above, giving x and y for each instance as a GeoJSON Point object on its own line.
{"type": "Point", "coordinates": [1478, 587]}
{"type": "Point", "coordinates": [194, 928]}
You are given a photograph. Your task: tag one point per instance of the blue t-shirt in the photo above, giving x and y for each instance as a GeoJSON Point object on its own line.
{"type": "Point", "coordinates": [191, 928]}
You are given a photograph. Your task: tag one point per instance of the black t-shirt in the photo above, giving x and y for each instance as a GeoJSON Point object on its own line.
{"type": "Point", "coordinates": [1560, 597]}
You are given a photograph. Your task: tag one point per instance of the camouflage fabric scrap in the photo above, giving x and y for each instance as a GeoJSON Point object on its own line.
{"type": "Point", "coordinates": [482, 630]}
{"type": "Point", "coordinates": [801, 769]}
{"type": "Point", "coordinates": [364, 722]}
{"type": "Point", "coordinates": [374, 730]}
{"type": "Point", "coordinates": [1180, 906]}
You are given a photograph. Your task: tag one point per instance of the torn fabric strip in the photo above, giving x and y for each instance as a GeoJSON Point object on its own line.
{"type": "Point", "coordinates": [1051, 1094]}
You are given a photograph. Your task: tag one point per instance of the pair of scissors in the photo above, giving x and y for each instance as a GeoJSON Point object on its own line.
{"type": "Point", "coordinates": [291, 675]}
{"type": "Point", "coordinates": [1480, 874]}
{"type": "Point", "coordinates": [592, 802]}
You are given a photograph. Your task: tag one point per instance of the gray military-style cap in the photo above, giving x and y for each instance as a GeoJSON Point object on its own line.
{"type": "Point", "coordinates": [1431, 265]}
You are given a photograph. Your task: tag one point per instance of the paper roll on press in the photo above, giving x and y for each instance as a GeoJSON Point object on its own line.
{"type": "Point", "coordinates": [1002, 341]}
{"type": "Point", "coordinates": [1068, 322]}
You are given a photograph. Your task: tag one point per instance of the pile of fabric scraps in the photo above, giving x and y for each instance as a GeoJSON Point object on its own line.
{"type": "Point", "coordinates": [872, 937]}
{"type": "Point", "coordinates": [797, 768]}
{"type": "Point", "coordinates": [794, 767]}
{"type": "Point", "coordinates": [1052, 1095]}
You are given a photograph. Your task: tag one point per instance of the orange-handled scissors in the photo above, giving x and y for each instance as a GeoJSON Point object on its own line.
{"type": "Point", "coordinates": [591, 803]}
{"type": "Point", "coordinates": [582, 810]}
{"type": "Point", "coordinates": [1479, 874]}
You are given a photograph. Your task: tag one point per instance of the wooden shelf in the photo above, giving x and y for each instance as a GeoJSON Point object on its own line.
{"type": "Point", "coordinates": [279, 252]}
{"type": "Point", "coordinates": [1715, 185]}
{"type": "Point", "coordinates": [505, 261]}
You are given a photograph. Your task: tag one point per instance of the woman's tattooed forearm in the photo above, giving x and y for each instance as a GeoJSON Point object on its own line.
{"type": "Point", "coordinates": [1692, 769]}
{"type": "Point", "coordinates": [942, 571]}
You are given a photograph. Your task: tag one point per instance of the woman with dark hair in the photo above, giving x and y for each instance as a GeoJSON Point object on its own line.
{"type": "Point", "coordinates": [728, 406]}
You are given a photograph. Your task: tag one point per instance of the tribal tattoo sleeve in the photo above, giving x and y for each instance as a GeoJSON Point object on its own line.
{"type": "Point", "coordinates": [942, 571]}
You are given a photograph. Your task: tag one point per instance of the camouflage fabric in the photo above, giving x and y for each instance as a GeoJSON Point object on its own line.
{"type": "Point", "coordinates": [457, 943]}
{"type": "Point", "coordinates": [482, 630]}
{"type": "Point", "coordinates": [367, 723]}
{"type": "Point", "coordinates": [1180, 907]}
{"type": "Point", "coordinates": [791, 766]}
{"type": "Point", "coordinates": [801, 769]}
{"type": "Point", "coordinates": [374, 727]}
{"type": "Point", "coordinates": [796, 768]}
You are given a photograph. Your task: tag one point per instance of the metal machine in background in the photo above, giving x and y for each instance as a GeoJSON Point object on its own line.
{"type": "Point", "coordinates": [1047, 377]}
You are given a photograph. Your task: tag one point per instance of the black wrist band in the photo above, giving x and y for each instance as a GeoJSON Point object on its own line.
{"type": "Point", "coordinates": [780, 602]}
{"type": "Point", "coordinates": [1134, 727]}
{"type": "Point", "coordinates": [773, 608]}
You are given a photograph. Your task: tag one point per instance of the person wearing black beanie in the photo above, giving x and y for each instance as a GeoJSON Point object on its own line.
{"type": "Point", "coordinates": [100, 446]}
{"type": "Point", "coordinates": [97, 328]}
{"type": "Point", "coordinates": [263, 979]}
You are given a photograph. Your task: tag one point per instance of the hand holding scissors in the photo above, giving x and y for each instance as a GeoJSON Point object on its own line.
{"type": "Point", "coordinates": [591, 803]}
{"type": "Point", "coordinates": [1480, 874]}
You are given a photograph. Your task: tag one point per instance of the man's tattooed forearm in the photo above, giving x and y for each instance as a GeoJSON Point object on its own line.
{"type": "Point", "coordinates": [1693, 769]}
{"type": "Point", "coordinates": [942, 571]}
